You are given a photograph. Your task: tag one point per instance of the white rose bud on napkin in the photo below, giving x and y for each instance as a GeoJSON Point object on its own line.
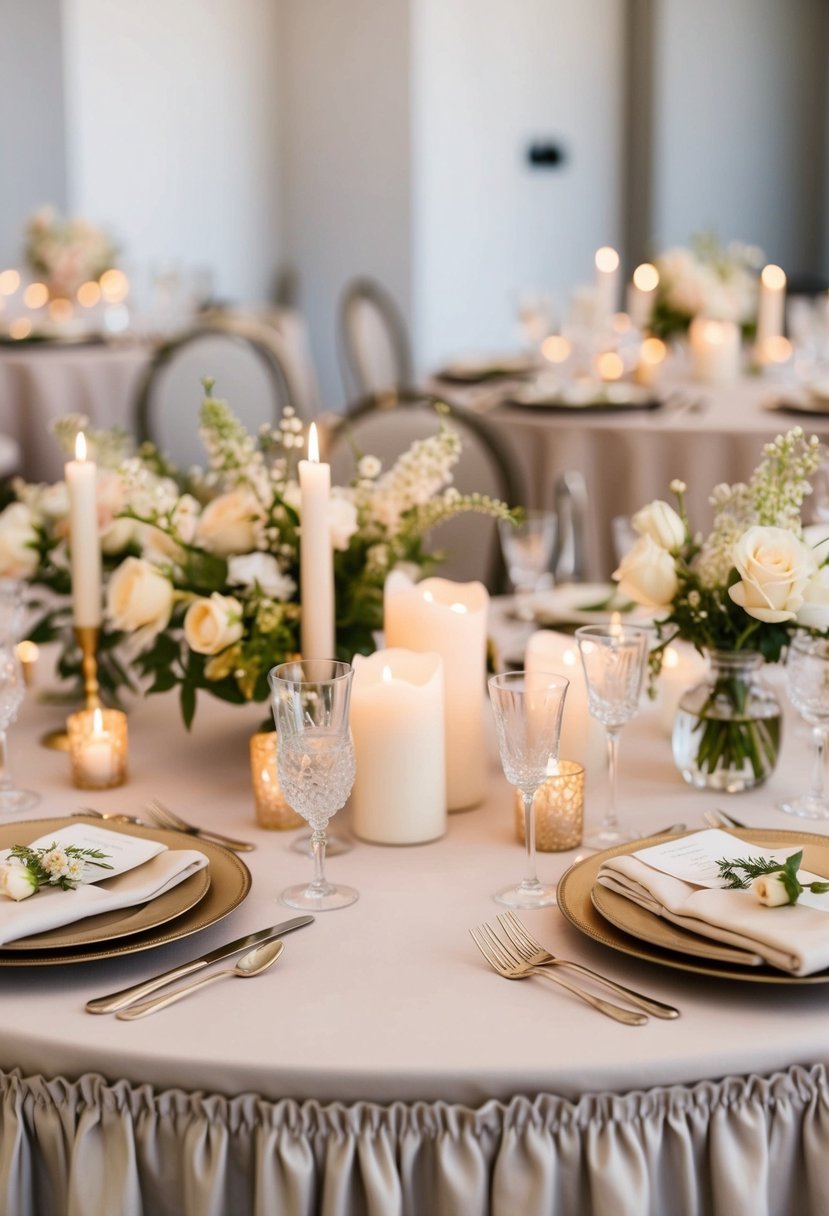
{"type": "Point", "coordinates": [17, 881]}
{"type": "Point", "coordinates": [770, 890]}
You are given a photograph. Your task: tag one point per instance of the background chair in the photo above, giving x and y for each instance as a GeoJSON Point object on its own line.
{"type": "Point", "coordinates": [375, 352]}
{"type": "Point", "coordinates": [486, 465]}
{"type": "Point", "coordinates": [570, 557]}
{"type": "Point", "coordinates": [249, 373]}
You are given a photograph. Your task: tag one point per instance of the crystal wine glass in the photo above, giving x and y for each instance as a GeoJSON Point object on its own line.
{"type": "Point", "coordinates": [528, 548]}
{"type": "Point", "coordinates": [614, 658]}
{"type": "Point", "coordinates": [12, 691]}
{"type": "Point", "coordinates": [310, 700]}
{"type": "Point", "coordinates": [807, 676]}
{"type": "Point", "coordinates": [528, 707]}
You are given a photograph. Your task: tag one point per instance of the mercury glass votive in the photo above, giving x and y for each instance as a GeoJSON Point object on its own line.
{"type": "Point", "coordinates": [559, 810]}
{"type": "Point", "coordinates": [97, 748]}
{"type": "Point", "coordinates": [272, 810]}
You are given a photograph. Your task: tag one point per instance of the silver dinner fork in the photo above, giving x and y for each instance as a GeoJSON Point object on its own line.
{"type": "Point", "coordinates": [531, 951]}
{"type": "Point", "coordinates": [508, 966]}
{"type": "Point", "coordinates": [165, 818]}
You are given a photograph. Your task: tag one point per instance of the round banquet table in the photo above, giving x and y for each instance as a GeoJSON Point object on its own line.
{"type": "Point", "coordinates": [703, 435]}
{"type": "Point", "coordinates": [381, 1067]}
{"type": "Point", "coordinates": [43, 381]}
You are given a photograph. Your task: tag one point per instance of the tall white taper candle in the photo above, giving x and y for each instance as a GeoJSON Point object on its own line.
{"type": "Point", "coordinates": [316, 558]}
{"type": "Point", "coordinates": [84, 540]}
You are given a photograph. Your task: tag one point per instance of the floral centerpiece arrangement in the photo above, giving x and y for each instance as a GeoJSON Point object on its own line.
{"type": "Point", "coordinates": [706, 280]}
{"type": "Point", "coordinates": [201, 569]}
{"type": "Point", "coordinates": [737, 594]}
{"type": "Point", "coordinates": [65, 253]}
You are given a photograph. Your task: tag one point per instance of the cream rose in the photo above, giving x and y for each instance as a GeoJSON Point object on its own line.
{"type": "Point", "coordinates": [775, 567]}
{"type": "Point", "coordinates": [647, 574]}
{"type": "Point", "coordinates": [770, 890]}
{"type": "Point", "coordinates": [814, 611]}
{"type": "Point", "coordinates": [661, 523]}
{"type": "Point", "coordinates": [139, 598]}
{"type": "Point", "coordinates": [226, 524]}
{"type": "Point", "coordinates": [17, 881]}
{"type": "Point", "coordinates": [18, 558]}
{"type": "Point", "coordinates": [211, 625]}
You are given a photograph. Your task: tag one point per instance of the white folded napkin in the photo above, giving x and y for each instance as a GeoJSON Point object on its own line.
{"type": "Point", "coordinates": [678, 881]}
{"type": "Point", "coordinates": [141, 871]}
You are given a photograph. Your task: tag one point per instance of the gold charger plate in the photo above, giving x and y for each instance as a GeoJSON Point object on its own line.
{"type": "Point", "coordinates": [647, 936]}
{"type": "Point", "coordinates": [228, 883]}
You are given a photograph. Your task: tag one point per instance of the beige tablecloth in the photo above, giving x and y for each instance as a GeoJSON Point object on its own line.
{"type": "Point", "coordinates": [380, 1067]}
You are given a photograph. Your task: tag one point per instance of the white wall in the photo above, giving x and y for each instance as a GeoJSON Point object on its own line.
{"type": "Point", "coordinates": [172, 132]}
{"type": "Point", "coordinates": [739, 111]}
{"type": "Point", "coordinates": [346, 170]}
{"type": "Point", "coordinates": [32, 162]}
{"type": "Point", "coordinates": [489, 77]}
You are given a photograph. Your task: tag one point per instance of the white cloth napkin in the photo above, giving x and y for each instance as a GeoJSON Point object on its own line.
{"type": "Point", "coordinates": [793, 938]}
{"type": "Point", "coordinates": [147, 869]}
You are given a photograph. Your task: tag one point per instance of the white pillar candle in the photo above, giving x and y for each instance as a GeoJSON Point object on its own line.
{"type": "Point", "coordinates": [715, 350]}
{"type": "Point", "coordinates": [682, 668]}
{"type": "Point", "coordinates": [641, 294]}
{"type": "Point", "coordinates": [84, 540]}
{"type": "Point", "coordinates": [771, 305]}
{"type": "Point", "coordinates": [396, 716]}
{"type": "Point", "coordinates": [582, 737]}
{"type": "Point", "coordinates": [316, 558]}
{"type": "Point", "coordinates": [606, 281]}
{"type": "Point", "coordinates": [450, 619]}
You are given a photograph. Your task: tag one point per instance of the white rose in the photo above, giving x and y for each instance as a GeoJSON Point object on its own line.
{"type": "Point", "coordinates": [814, 612]}
{"type": "Point", "coordinates": [139, 598]}
{"type": "Point", "coordinates": [647, 574]}
{"type": "Point", "coordinates": [17, 536]}
{"type": "Point", "coordinates": [227, 523]}
{"type": "Point", "coordinates": [775, 567]}
{"type": "Point", "coordinates": [342, 517]}
{"type": "Point", "coordinates": [17, 881]}
{"type": "Point", "coordinates": [212, 625]}
{"type": "Point", "coordinates": [770, 890]}
{"type": "Point", "coordinates": [248, 568]}
{"type": "Point", "coordinates": [661, 523]}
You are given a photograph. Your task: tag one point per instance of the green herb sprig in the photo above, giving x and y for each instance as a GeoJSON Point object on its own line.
{"type": "Point", "coordinates": [756, 867]}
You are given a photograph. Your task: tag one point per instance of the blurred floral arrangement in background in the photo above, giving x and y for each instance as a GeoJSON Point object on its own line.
{"type": "Point", "coordinates": [706, 280]}
{"type": "Point", "coordinates": [66, 253]}
{"type": "Point", "coordinates": [201, 569]}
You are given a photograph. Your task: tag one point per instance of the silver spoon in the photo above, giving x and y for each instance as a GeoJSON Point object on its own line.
{"type": "Point", "coordinates": [250, 964]}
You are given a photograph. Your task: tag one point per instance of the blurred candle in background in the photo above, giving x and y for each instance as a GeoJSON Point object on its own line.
{"type": "Point", "coordinates": [606, 281]}
{"type": "Point", "coordinates": [771, 305]}
{"type": "Point", "coordinates": [450, 619]}
{"type": "Point", "coordinates": [715, 350]}
{"type": "Point", "coordinates": [641, 294]}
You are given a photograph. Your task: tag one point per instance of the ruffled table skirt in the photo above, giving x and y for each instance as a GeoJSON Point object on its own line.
{"type": "Point", "coordinates": [757, 1145]}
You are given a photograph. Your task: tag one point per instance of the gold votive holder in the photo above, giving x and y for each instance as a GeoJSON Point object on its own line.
{"type": "Point", "coordinates": [272, 811]}
{"type": "Point", "coordinates": [558, 807]}
{"type": "Point", "coordinates": [97, 748]}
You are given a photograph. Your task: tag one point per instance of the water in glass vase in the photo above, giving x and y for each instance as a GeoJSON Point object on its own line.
{"type": "Point", "coordinates": [727, 729]}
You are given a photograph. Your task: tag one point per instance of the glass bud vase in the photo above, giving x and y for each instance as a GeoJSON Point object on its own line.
{"type": "Point", "coordinates": [727, 730]}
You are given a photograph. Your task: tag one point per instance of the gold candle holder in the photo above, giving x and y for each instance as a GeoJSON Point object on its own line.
{"type": "Point", "coordinates": [87, 638]}
{"type": "Point", "coordinates": [272, 811]}
{"type": "Point", "coordinates": [98, 748]}
{"type": "Point", "coordinates": [558, 807]}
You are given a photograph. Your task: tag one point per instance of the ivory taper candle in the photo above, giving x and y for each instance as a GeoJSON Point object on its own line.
{"type": "Point", "coordinates": [316, 557]}
{"type": "Point", "coordinates": [84, 540]}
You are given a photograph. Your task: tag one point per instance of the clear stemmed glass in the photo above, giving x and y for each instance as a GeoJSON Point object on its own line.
{"type": "Point", "coordinates": [528, 707]}
{"type": "Point", "coordinates": [12, 691]}
{"type": "Point", "coordinates": [528, 548]}
{"type": "Point", "coordinates": [310, 700]}
{"type": "Point", "coordinates": [614, 659]}
{"type": "Point", "coordinates": [807, 676]}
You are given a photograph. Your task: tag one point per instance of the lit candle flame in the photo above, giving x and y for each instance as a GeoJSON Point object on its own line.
{"type": "Point", "coordinates": [773, 277]}
{"type": "Point", "coordinates": [97, 722]}
{"type": "Point", "coordinates": [670, 658]}
{"type": "Point", "coordinates": [387, 675]}
{"type": "Point", "coordinates": [607, 259]}
{"type": "Point", "coordinates": [457, 607]}
{"type": "Point", "coordinates": [80, 446]}
{"type": "Point", "coordinates": [646, 277]}
{"type": "Point", "coordinates": [313, 444]}
{"type": "Point", "coordinates": [616, 624]}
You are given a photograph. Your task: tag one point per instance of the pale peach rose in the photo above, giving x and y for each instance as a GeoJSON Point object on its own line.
{"type": "Point", "coordinates": [210, 625]}
{"type": "Point", "coordinates": [139, 598]}
{"type": "Point", "coordinates": [647, 574]}
{"type": "Point", "coordinates": [18, 558]}
{"type": "Point", "coordinates": [226, 524]}
{"type": "Point", "coordinates": [775, 567]}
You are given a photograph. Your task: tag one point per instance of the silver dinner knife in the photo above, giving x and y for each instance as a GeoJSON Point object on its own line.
{"type": "Point", "coordinates": [118, 1000]}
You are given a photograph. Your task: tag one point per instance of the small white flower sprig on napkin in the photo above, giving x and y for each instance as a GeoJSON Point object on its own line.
{"type": "Point", "coordinates": [53, 865]}
{"type": "Point", "coordinates": [774, 883]}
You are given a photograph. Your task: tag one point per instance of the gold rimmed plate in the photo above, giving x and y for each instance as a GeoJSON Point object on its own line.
{"type": "Point", "coordinates": [222, 885]}
{"type": "Point", "coordinates": [624, 926]}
